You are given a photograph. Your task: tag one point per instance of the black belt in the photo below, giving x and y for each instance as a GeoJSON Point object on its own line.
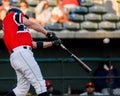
{"type": "Point", "coordinates": [24, 47]}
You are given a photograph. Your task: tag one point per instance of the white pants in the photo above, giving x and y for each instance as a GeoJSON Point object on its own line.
{"type": "Point", "coordinates": [27, 71]}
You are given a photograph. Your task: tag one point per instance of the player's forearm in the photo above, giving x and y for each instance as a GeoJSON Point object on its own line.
{"type": "Point", "coordinates": [39, 28]}
{"type": "Point", "coordinates": [34, 26]}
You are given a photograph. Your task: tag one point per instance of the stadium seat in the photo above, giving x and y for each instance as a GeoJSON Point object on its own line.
{"type": "Point", "coordinates": [76, 17]}
{"type": "Point", "coordinates": [118, 25]}
{"type": "Point", "coordinates": [33, 2]}
{"type": "Point", "coordinates": [110, 17]}
{"type": "Point", "coordinates": [88, 25]}
{"type": "Point", "coordinates": [93, 17]}
{"type": "Point", "coordinates": [86, 4]}
{"type": "Point", "coordinates": [98, 9]}
{"type": "Point", "coordinates": [52, 3]}
{"type": "Point", "coordinates": [15, 2]}
{"type": "Point", "coordinates": [54, 27]}
{"type": "Point", "coordinates": [80, 10]}
{"type": "Point", "coordinates": [106, 25]}
{"type": "Point", "coordinates": [72, 26]}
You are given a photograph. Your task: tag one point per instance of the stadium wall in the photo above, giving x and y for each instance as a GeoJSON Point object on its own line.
{"type": "Point", "coordinates": [60, 68]}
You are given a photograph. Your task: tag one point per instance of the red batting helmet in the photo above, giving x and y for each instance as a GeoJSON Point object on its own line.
{"type": "Point", "coordinates": [90, 84]}
{"type": "Point", "coordinates": [48, 83]}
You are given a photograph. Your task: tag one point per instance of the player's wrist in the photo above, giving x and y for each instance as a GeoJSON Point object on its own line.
{"type": "Point", "coordinates": [39, 44]}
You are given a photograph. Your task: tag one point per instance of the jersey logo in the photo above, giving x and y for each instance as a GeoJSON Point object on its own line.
{"type": "Point", "coordinates": [21, 27]}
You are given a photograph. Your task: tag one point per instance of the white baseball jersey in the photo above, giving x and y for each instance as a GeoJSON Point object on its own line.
{"type": "Point", "coordinates": [94, 94]}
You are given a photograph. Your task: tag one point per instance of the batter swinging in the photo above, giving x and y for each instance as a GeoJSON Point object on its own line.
{"type": "Point", "coordinates": [19, 43]}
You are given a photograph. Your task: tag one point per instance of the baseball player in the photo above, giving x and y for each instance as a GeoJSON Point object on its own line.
{"type": "Point", "coordinates": [19, 43]}
{"type": "Point", "coordinates": [90, 90]}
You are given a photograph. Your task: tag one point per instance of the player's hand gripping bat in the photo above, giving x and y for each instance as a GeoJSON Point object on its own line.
{"type": "Point", "coordinates": [84, 66]}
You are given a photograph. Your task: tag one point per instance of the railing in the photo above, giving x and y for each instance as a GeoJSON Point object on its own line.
{"type": "Point", "coordinates": [69, 59]}
{"type": "Point", "coordinates": [65, 60]}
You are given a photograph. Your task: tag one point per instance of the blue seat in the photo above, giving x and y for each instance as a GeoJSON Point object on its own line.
{"type": "Point", "coordinates": [86, 4]}
{"type": "Point", "coordinates": [80, 10]}
{"type": "Point", "coordinates": [76, 17]}
{"type": "Point", "coordinates": [54, 27]}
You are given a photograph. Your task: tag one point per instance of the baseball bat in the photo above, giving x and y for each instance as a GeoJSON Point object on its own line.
{"type": "Point", "coordinates": [84, 66]}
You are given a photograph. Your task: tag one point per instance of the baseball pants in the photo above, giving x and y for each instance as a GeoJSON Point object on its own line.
{"type": "Point", "coordinates": [27, 71]}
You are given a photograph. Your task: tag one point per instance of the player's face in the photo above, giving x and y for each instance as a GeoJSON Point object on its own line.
{"type": "Point", "coordinates": [90, 90]}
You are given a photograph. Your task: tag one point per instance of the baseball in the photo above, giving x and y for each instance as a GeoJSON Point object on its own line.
{"type": "Point", "coordinates": [106, 40]}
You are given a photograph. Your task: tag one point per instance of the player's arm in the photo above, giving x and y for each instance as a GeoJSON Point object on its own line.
{"type": "Point", "coordinates": [46, 44]}
{"type": "Point", "coordinates": [34, 26]}
{"type": "Point", "coordinates": [39, 28]}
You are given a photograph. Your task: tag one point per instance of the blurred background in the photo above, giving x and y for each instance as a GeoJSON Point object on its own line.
{"type": "Point", "coordinates": [88, 28]}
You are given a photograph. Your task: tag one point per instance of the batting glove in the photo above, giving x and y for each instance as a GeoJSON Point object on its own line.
{"type": "Point", "coordinates": [56, 42]}
{"type": "Point", "coordinates": [52, 36]}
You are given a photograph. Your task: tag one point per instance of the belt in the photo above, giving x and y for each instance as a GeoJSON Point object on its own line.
{"type": "Point", "coordinates": [21, 47]}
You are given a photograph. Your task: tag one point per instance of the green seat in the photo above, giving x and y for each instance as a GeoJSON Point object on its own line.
{"type": "Point", "coordinates": [110, 17]}
{"type": "Point", "coordinates": [98, 9]}
{"type": "Point", "coordinates": [93, 17]}
{"type": "Point", "coordinates": [106, 25]}
{"type": "Point", "coordinates": [54, 27]}
{"type": "Point", "coordinates": [76, 17]}
{"type": "Point", "coordinates": [52, 3]}
{"type": "Point", "coordinates": [71, 26]}
{"type": "Point", "coordinates": [88, 25]}
{"type": "Point", "coordinates": [33, 2]}
{"type": "Point", "coordinates": [118, 25]}
{"type": "Point", "coordinates": [80, 10]}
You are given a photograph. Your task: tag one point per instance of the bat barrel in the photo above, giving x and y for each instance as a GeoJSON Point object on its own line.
{"type": "Point", "coordinates": [84, 66]}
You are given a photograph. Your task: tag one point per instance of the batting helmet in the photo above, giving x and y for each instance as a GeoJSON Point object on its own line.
{"type": "Point", "coordinates": [90, 84]}
{"type": "Point", "coordinates": [17, 10]}
{"type": "Point", "coordinates": [48, 83]}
